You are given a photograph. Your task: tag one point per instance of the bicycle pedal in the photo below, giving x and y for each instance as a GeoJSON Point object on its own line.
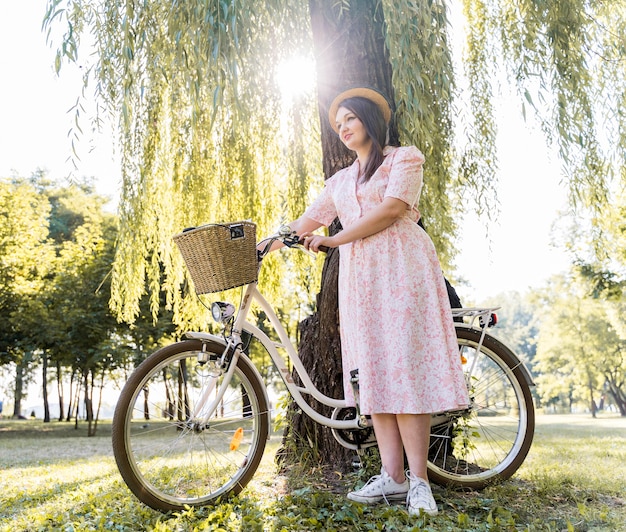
{"type": "Point", "coordinates": [356, 462]}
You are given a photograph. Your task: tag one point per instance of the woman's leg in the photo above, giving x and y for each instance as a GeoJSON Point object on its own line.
{"type": "Point", "coordinates": [391, 484]}
{"type": "Point", "coordinates": [414, 430]}
{"type": "Point", "coordinates": [415, 433]}
{"type": "Point", "coordinates": [389, 441]}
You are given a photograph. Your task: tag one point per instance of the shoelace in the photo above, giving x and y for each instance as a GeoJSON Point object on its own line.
{"type": "Point", "coordinates": [382, 490]}
{"type": "Point", "coordinates": [422, 494]}
{"type": "Point", "coordinates": [371, 481]}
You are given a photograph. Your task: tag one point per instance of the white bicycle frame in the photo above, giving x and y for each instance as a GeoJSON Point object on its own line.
{"type": "Point", "coordinates": [234, 342]}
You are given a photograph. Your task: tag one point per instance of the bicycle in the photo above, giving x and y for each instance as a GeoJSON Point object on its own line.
{"type": "Point", "coordinates": [214, 408]}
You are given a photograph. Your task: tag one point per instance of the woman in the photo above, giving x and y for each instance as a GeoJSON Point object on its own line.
{"type": "Point", "coordinates": [395, 318]}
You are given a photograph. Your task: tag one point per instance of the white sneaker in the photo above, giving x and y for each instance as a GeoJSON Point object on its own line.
{"type": "Point", "coordinates": [380, 488]}
{"type": "Point", "coordinates": [420, 497]}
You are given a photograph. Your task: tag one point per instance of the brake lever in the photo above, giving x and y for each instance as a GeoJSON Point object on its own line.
{"type": "Point", "coordinates": [305, 250]}
{"type": "Point", "coordinates": [291, 241]}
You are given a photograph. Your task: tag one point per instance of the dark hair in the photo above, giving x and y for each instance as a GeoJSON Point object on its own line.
{"type": "Point", "coordinates": [372, 118]}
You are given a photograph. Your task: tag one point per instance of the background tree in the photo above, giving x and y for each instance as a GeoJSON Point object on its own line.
{"type": "Point", "coordinates": [81, 233]}
{"type": "Point", "coordinates": [81, 297]}
{"type": "Point", "coordinates": [56, 251]}
{"type": "Point", "coordinates": [24, 261]}
{"type": "Point", "coordinates": [606, 276]}
{"type": "Point", "coordinates": [191, 88]}
{"type": "Point", "coordinates": [599, 275]}
{"type": "Point", "coordinates": [579, 351]}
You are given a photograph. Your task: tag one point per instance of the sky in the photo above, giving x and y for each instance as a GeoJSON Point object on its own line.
{"type": "Point", "coordinates": [35, 105]}
{"type": "Point", "coordinates": [35, 120]}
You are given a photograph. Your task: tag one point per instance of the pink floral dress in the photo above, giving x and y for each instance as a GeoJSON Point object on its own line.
{"type": "Point", "coordinates": [396, 324]}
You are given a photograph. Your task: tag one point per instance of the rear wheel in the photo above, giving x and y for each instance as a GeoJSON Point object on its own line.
{"type": "Point", "coordinates": [490, 440]}
{"type": "Point", "coordinates": [169, 458]}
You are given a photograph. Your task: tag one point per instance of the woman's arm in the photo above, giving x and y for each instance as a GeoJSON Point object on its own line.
{"type": "Point", "coordinates": [304, 225]}
{"type": "Point", "coordinates": [379, 218]}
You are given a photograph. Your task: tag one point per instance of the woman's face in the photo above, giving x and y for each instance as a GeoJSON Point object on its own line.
{"type": "Point", "coordinates": [352, 131]}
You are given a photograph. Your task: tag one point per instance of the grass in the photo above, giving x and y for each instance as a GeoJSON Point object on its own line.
{"type": "Point", "coordinates": [54, 477]}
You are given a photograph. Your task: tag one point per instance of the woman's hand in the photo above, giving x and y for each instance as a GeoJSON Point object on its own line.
{"type": "Point", "coordinates": [313, 242]}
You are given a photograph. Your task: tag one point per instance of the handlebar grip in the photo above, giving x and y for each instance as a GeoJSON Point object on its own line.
{"type": "Point", "coordinates": [323, 249]}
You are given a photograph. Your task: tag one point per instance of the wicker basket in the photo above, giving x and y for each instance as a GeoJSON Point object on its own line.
{"type": "Point", "coordinates": [220, 256]}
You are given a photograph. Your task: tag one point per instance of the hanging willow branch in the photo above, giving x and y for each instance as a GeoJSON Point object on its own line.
{"type": "Point", "coordinates": [423, 80]}
{"type": "Point", "coordinates": [568, 64]}
{"type": "Point", "coordinates": [191, 88]}
{"type": "Point", "coordinates": [192, 85]}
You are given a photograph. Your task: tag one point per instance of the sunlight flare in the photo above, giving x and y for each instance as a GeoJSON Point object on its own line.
{"type": "Point", "coordinates": [295, 77]}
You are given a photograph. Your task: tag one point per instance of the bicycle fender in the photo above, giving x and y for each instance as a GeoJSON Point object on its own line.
{"type": "Point", "coordinates": [205, 337]}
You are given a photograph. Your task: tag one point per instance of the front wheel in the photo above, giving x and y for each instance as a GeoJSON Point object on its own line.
{"type": "Point", "coordinates": [169, 457]}
{"type": "Point", "coordinates": [490, 440]}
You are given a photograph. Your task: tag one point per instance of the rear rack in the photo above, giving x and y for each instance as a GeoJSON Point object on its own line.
{"type": "Point", "coordinates": [485, 316]}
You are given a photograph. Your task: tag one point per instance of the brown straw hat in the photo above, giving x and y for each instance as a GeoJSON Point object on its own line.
{"type": "Point", "coordinates": [362, 92]}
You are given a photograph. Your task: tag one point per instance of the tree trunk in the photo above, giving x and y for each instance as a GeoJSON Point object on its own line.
{"type": "Point", "coordinates": [44, 377]}
{"type": "Point", "coordinates": [621, 404]}
{"type": "Point", "coordinates": [97, 416]}
{"type": "Point", "coordinates": [76, 400]}
{"type": "Point", "coordinates": [19, 388]}
{"type": "Point", "coordinates": [184, 408]}
{"type": "Point", "coordinates": [350, 51]}
{"type": "Point", "coordinates": [70, 406]}
{"type": "Point", "coordinates": [169, 399]}
{"type": "Point", "coordinates": [60, 389]}
{"type": "Point", "coordinates": [146, 403]}
{"type": "Point", "coordinates": [88, 391]}
{"type": "Point", "coordinates": [618, 396]}
{"type": "Point", "coordinates": [592, 401]}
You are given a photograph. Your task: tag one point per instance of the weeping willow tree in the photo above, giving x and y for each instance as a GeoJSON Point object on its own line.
{"type": "Point", "coordinates": [206, 134]}
{"type": "Point", "coordinates": [191, 90]}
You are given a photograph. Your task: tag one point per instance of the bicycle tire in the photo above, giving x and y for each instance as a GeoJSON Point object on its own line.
{"type": "Point", "coordinates": [166, 460]}
{"type": "Point", "coordinates": [490, 441]}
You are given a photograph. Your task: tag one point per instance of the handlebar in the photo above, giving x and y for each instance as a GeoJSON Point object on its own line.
{"type": "Point", "coordinates": [289, 238]}
{"type": "Point", "coordinates": [323, 249]}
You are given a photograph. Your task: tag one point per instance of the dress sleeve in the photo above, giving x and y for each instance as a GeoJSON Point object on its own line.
{"type": "Point", "coordinates": [323, 209]}
{"type": "Point", "coordinates": [405, 175]}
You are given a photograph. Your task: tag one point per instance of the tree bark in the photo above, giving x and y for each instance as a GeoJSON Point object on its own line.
{"type": "Point", "coordinates": [60, 390]}
{"type": "Point", "coordinates": [97, 416]}
{"type": "Point", "coordinates": [44, 378]}
{"type": "Point", "coordinates": [88, 390]}
{"type": "Point", "coordinates": [618, 395]}
{"type": "Point", "coordinates": [350, 51]}
{"type": "Point", "coordinates": [73, 396]}
{"type": "Point", "coordinates": [19, 387]}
